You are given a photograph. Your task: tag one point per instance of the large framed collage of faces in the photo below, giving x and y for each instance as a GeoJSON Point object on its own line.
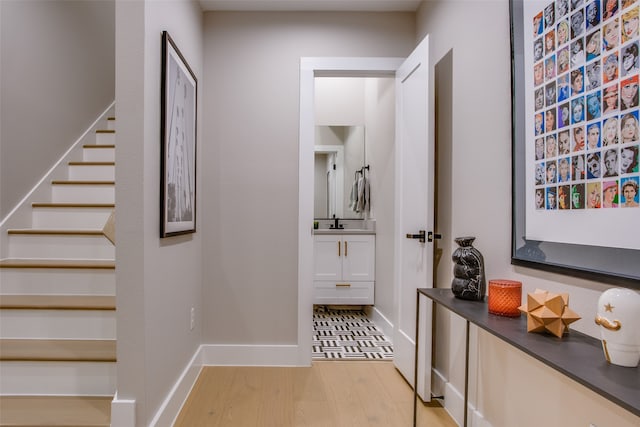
{"type": "Point", "coordinates": [576, 137]}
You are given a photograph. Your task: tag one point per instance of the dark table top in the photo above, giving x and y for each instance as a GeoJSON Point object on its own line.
{"type": "Point", "coordinates": [576, 355]}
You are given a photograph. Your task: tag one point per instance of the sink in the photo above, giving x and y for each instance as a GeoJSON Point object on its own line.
{"type": "Point", "coordinates": [350, 226]}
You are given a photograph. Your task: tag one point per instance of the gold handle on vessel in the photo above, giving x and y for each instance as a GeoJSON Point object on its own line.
{"type": "Point", "coordinates": [608, 324]}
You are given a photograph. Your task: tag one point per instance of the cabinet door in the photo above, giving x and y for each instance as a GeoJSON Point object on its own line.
{"type": "Point", "coordinates": [327, 257]}
{"type": "Point", "coordinates": [358, 257]}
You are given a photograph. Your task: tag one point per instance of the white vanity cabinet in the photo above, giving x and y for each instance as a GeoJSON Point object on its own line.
{"type": "Point", "coordinates": [344, 269]}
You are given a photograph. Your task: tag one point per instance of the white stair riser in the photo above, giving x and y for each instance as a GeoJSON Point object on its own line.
{"type": "Point", "coordinates": [58, 378]}
{"type": "Point", "coordinates": [70, 218]}
{"type": "Point", "coordinates": [83, 194]}
{"type": "Point", "coordinates": [111, 124]}
{"type": "Point", "coordinates": [92, 172]}
{"type": "Point", "coordinates": [60, 246]}
{"type": "Point", "coordinates": [55, 281]}
{"type": "Point", "coordinates": [58, 324]}
{"type": "Point", "coordinates": [105, 138]}
{"type": "Point", "coordinates": [99, 154]}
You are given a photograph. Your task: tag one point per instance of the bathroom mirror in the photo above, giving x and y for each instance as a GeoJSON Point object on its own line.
{"type": "Point", "coordinates": [339, 155]}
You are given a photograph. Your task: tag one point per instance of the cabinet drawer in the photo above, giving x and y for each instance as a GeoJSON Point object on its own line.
{"type": "Point", "coordinates": [343, 293]}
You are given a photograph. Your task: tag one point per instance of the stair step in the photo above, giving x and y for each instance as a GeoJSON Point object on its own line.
{"type": "Point", "coordinates": [53, 232]}
{"type": "Point", "coordinates": [82, 163]}
{"type": "Point", "coordinates": [99, 153]}
{"type": "Point", "coordinates": [58, 378]}
{"type": "Point", "coordinates": [71, 215]}
{"type": "Point", "coordinates": [80, 191]}
{"type": "Point", "coordinates": [111, 123]}
{"type": "Point", "coordinates": [58, 263]}
{"type": "Point", "coordinates": [58, 350]}
{"type": "Point", "coordinates": [74, 205]}
{"type": "Point", "coordinates": [44, 323]}
{"type": "Point", "coordinates": [57, 281]}
{"type": "Point", "coordinates": [58, 302]}
{"type": "Point", "coordinates": [99, 146]}
{"type": "Point", "coordinates": [105, 137]}
{"type": "Point", "coordinates": [61, 244]}
{"type": "Point", "coordinates": [82, 182]}
{"type": "Point", "coordinates": [92, 171]}
{"type": "Point", "coordinates": [30, 411]}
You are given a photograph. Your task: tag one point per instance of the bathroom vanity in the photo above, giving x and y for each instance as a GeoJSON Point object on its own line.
{"type": "Point", "coordinates": [344, 266]}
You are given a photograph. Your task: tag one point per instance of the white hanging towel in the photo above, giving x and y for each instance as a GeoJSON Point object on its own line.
{"type": "Point", "coordinates": [363, 195]}
{"type": "Point", "coordinates": [353, 197]}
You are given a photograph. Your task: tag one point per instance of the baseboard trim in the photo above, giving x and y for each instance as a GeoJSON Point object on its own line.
{"type": "Point", "coordinates": [382, 323]}
{"type": "Point", "coordinates": [123, 412]}
{"type": "Point", "coordinates": [454, 402]}
{"type": "Point", "coordinates": [250, 355]}
{"type": "Point", "coordinates": [170, 408]}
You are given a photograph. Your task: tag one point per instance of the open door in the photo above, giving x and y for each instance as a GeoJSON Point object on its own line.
{"type": "Point", "coordinates": [415, 175]}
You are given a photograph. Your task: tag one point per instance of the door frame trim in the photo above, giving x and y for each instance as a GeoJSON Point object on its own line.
{"type": "Point", "coordinates": [311, 67]}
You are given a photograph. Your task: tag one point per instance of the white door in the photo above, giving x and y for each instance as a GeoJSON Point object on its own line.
{"type": "Point", "coordinates": [414, 212]}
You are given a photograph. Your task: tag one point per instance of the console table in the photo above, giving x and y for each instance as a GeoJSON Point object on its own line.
{"type": "Point", "coordinates": [575, 355]}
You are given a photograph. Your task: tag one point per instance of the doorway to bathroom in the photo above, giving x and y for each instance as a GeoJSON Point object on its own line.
{"type": "Point", "coordinates": [354, 210]}
{"type": "Point", "coordinates": [411, 178]}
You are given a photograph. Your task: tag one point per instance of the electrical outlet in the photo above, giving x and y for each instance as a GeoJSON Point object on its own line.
{"type": "Point", "coordinates": [193, 318]}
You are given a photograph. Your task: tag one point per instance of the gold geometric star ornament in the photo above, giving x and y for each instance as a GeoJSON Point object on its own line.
{"type": "Point", "coordinates": [548, 312]}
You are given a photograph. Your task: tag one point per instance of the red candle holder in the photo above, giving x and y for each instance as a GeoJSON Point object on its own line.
{"type": "Point", "coordinates": [505, 296]}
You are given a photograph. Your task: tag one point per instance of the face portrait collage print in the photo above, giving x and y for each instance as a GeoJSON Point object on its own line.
{"type": "Point", "coordinates": [585, 76]}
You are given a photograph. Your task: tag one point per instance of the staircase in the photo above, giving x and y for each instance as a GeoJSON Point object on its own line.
{"type": "Point", "coordinates": [57, 298]}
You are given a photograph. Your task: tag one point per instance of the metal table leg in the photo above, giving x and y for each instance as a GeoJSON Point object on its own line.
{"type": "Point", "coordinates": [466, 376]}
{"type": "Point", "coordinates": [415, 362]}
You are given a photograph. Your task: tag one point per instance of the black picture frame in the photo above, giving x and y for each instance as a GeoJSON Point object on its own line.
{"type": "Point", "coordinates": [619, 266]}
{"type": "Point", "coordinates": [179, 99]}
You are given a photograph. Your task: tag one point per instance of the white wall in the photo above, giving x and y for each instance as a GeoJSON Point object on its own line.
{"type": "Point", "coordinates": [158, 280]}
{"type": "Point", "coordinates": [57, 77]}
{"type": "Point", "coordinates": [478, 133]}
{"type": "Point", "coordinates": [339, 101]}
{"type": "Point", "coordinates": [380, 136]}
{"type": "Point", "coordinates": [252, 104]}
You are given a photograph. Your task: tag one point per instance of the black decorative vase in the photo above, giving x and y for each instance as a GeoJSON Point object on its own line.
{"type": "Point", "coordinates": [468, 272]}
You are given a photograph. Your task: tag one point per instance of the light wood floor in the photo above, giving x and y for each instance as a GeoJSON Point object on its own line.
{"type": "Point", "coordinates": [330, 393]}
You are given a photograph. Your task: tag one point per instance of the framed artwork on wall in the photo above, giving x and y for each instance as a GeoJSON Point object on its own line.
{"type": "Point", "coordinates": [576, 137]}
{"type": "Point", "coordinates": [179, 91]}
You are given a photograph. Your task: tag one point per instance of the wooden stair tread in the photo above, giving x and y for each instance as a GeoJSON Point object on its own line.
{"type": "Point", "coordinates": [28, 411]}
{"type": "Point", "coordinates": [92, 163]}
{"type": "Point", "coordinates": [99, 146]}
{"type": "Point", "coordinates": [72, 205]}
{"type": "Point", "coordinates": [57, 350]}
{"type": "Point", "coordinates": [58, 263]}
{"type": "Point", "coordinates": [81, 182]}
{"type": "Point", "coordinates": [55, 232]}
{"type": "Point", "coordinates": [105, 131]}
{"type": "Point", "coordinates": [58, 302]}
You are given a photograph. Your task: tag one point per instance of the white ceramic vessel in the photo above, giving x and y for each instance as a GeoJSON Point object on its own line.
{"type": "Point", "coordinates": [619, 320]}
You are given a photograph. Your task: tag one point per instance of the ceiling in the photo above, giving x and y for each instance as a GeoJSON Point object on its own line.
{"type": "Point", "coordinates": [311, 5]}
